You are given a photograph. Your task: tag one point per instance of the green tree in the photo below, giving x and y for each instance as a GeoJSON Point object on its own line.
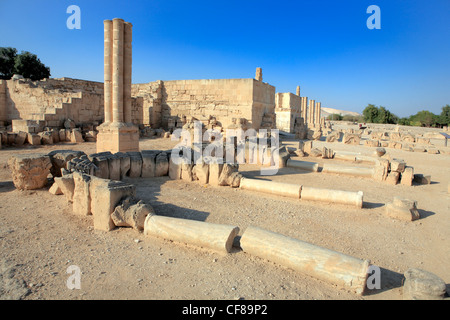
{"type": "Point", "coordinates": [7, 60]}
{"type": "Point", "coordinates": [370, 113]}
{"type": "Point", "coordinates": [424, 118]}
{"type": "Point", "coordinates": [444, 117]}
{"type": "Point", "coordinates": [334, 116]}
{"type": "Point", "coordinates": [26, 64]}
{"type": "Point", "coordinates": [29, 66]}
{"type": "Point", "coordinates": [404, 121]}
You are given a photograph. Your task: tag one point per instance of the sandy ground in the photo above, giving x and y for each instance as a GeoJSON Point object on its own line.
{"type": "Point", "coordinates": [40, 237]}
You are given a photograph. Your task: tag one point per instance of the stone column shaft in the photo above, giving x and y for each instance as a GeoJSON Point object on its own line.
{"type": "Point", "coordinates": [127, 60]}
{"type": "Point", "coordinates": [312, 104]}
{"type": "Point", "coordinates": [298, 91]}
{"type": "Point", "coordinates": [117, 58]}
{"type": "Point", "coordinates": [317, 117]}
{"type": "Point", "coordinates": [108, 70]}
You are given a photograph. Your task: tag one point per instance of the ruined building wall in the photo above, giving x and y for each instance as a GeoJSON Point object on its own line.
{"type": "Point", "coordinates": [223, 99]}
{"type": "Point", "coordinates": [287, 110]}
{"type": "Point", "coordinates": [34, 105]}
{"type": "Point", "coordinates": [52, 101]}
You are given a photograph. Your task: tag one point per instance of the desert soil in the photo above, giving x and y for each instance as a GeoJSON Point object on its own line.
{"type": "Point", "coordinates": [40, 237]}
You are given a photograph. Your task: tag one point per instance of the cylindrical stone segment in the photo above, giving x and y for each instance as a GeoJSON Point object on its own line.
{"type": "Point", "coordinates": [127, 61]}
{"type": "Point", "coordinates": [117, 58]}
{"type": "Point", "coordinates": [318, 107]}
{"type": "Point", "coordinates": [349, 170]}
{"type": "Point", "coordinates": [108, 69]}
{"type": "Point", "coordinates": [272, 187]}
{"type": "Point", "coordinates": [312, 104]}
{"type": "Point", "coordinates": [297, 91]}
{"type": "Point", "coordinates": [212, 236]}
{"type": "Point", "coordinates": [304, 165]}
{"type": "Point", "coordinates": [333, 196]}
{"type": "Point", "coordinates": [321, 263]}
{"type": "Point", "coordinates": [305, 109]}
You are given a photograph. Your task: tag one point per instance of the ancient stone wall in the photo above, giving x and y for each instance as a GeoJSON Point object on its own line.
{"type": "Point", "coordinates": [223, 99]}
{"type": "Point", "coordinates": [287, 110]}
{"type": "Point", "coordinates": [53, 101]}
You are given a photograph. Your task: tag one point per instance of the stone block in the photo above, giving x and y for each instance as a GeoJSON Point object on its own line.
{"type": "Point", "coordinates": [100, 160]}
{"type": "Point", "coordinates": [393, 177]}
{"type": "Point", "coordinates": [351, 138]}
{"type": "Point", "coordinates": [76, 136]}
{"type": "Point", "coordinates": [46, 137]}
{"type": "Point", "coordinates": [433, 150]}
{"type": "Point", "coordinates": [55, 189]}
{"type": "Point", "coordinates": [372, 143]}
{"type": "Point", "coordinates": [29, 171]}
{"type": "Point", "coordinates": [186, 170]}
{"type": "Point", "coordinates": [105, 197]}
{"type": "Point", "coordinates": [215, 169]}
{"type": "Point", "coordinates": [148, 163]}
{"type": "Point", "coordinates": [201, 171]}
{"type": "Point", "coordinates": [62, 135]}
{"type": "Point", "coordinates": [407, 176]}
{"type": "Point", "coordinates": [161, 164]}
{"type": "Point", "coordinates": [114, 167]}
{"type": "Point", "coordinates": [174, 169]}
{"type": "Point", "coordinates": [20, 139]}
{"type": "Point", "coordinates": [225, 175]}
{"type": "Point", "coordinates": [422, 285]}
{"type": "Point", "coordinates": [81, 195]}
{"type": "Point", "coordinates": [135, 164]}
{"type": "Point", "coordinates": [60, 158]}
{"type": "Point", "coordinates": [67, 185]}
{"type": "Point", "coordinates": [125, 164]}
{"type": "Point", "coordinates": [403, 209]}
{"type": "Point", "coordinates": [33, 139]}
{"type": "Point", "coordinates": [398, 165]}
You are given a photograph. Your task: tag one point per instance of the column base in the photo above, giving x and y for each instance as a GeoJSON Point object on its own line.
{"type": "Point", "coordinates": [117, 137]}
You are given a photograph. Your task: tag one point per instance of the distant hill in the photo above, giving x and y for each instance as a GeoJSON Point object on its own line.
{"type": "Point", "coordinates": [327, 111]}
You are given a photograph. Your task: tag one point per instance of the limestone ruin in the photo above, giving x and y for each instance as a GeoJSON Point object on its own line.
{"type": "Point", "coordinates": [116, 113]}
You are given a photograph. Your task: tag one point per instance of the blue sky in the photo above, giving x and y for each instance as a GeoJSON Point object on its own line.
{"type": "Point", "coordinates": [323, 46]}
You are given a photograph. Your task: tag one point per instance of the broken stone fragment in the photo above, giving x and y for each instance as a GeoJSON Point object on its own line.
{"type": "Point", "coordinates": [393, 177]}
{"type": "Point", "coordinates": [225, 178]}
{"type": "Point", "coordinates": [29, 171]}
{"type": "Point", "coordinates": [55, 189]}
{"type": "Point", "coordinates": [60, 158]}
{"type": "Point", "coordinates": [67, 185]}
{"type": "Point", "coordinates": [161, 164]}
{"type": "Point", "coordinates": [403, 209]}
{"type": "Point", "coordinates": [422, 285]}
{"type": "Point", "coordinates": [407, 176]}
{"type": "Point", "coordinates": [131, 212]}
{"type": "Point", "coordinates": [380, 152]}
{"type": "Point", "coordinates": [105, 195]}
{"type": "Point", "coordinates": [81, 195]}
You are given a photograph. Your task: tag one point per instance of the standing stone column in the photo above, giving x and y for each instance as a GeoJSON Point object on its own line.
{"type": "Point", "coordinates": [117, 133]}
{"type": "Point", "coordinates": [108, 70]}
{"type": "Point", "coordinates": [258, 75]}
{"type": "Point", "coordinates": [305, 110]}
{"type": "Point", "coordinates": [297, 92]}
{"type": "Point", "coordinates": [318, 110]}
{"type": "Point", "coordinates": [127, 58]}
{"type": "Point", "coordinates": [117, 58]}
{"type": "Point", "coordinates": [312, 105]}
